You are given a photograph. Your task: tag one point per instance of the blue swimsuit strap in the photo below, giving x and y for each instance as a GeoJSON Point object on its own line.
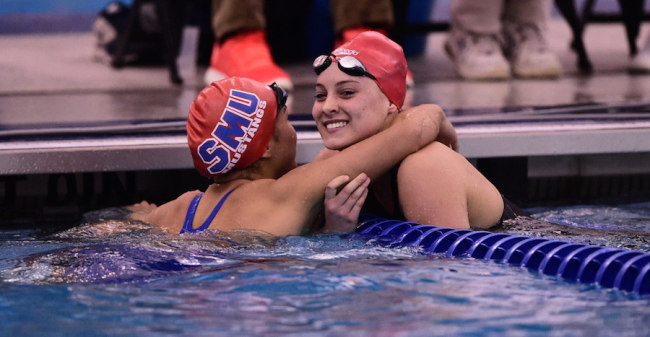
{"type": "Point", "coordinates": [191, 211]}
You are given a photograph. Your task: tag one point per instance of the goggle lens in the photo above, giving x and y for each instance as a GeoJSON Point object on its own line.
{"type": "Point", "coordinates": [347, 64]}
{"type": "Point", "coordinates": [321, 63]}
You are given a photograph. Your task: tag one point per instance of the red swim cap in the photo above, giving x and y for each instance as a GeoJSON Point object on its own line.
{"type": "Point", "coordinates": [230, 125]}
{"type": "Point", "coordinates": [383, 58]}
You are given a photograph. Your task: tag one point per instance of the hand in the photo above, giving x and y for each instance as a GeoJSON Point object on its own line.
{"type": "Point", "coordinates": [447, 134]}
{"type": "Point", "coordinates": [140, 210]}
{"type": "Point", "coordinates": [342, 208]}
{"type": "Point", "coordinates": [433, 122]}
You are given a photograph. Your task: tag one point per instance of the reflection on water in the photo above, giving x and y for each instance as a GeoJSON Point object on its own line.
{"type": "Point", "coordinates": [118, 277]}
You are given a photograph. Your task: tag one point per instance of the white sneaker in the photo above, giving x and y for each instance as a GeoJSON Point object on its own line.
{"type": "Point", "coordinates": [528, 51]}
{"type": "Point", "coordinates": [476, 56]}
{"type": "Point", "coordinates": [640, 63]}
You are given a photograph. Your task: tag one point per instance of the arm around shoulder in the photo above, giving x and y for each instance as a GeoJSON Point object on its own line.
{"type": "Point", "coordinates": [303, 188]}
{"type": "Point", "coordinates": [412, 129]}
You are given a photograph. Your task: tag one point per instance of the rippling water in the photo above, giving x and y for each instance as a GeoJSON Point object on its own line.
{"type": "Point", "coordinates": [120, 278]}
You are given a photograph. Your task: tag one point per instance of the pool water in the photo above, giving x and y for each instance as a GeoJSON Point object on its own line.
{"type": "Point", "coordinates": [119, 278]}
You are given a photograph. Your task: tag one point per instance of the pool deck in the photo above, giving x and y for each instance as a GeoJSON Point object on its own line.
{"type": "Point", "coordinates": [63, 112]}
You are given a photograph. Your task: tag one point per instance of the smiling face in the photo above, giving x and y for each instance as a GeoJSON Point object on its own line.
{"type": "Point", "coordinates": [349, 109]}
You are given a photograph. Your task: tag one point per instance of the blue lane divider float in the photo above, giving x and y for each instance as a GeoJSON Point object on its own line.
{"type": "Point", "coordinates": [609, 267]}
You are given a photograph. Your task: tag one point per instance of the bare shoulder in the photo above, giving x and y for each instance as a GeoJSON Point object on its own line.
{"type": "Point", "coordinates": [432, 155]}
{"type": "Point", "coordinates": [438, 162]}
{"type": "Point", "coordinates": [438, 148]}
{"type": "Point", "coordinates": [170, 215]}
{"type": "Point", "coordinates": [465, 195]}
{"type": "Point", "coordinates": [187, 196]}
{"type": "Point", "coordinates": [261, 196]}
{"type": "Point", "coordinates": [260, 189]}
{"type": "Point", "coordinates": [434, 164]}
{"type": "Point", "coordinates": [267, 205]}
{"type": "Point", "coordinates": [181, 202]}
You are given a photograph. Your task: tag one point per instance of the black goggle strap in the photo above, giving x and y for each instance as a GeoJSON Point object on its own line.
{"type": "Point", "coordinates": [280, 95]}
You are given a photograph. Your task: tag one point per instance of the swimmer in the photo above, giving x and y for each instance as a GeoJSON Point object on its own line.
{"type": "Point", "coordinates": [240, 137]}
{"type": "Point", "coordinates": [360, 91]}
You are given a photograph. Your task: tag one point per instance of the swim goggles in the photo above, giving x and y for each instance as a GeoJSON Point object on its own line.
{"type": "Point", "coordinates": [348, 64]}
{"type": "Point", "coordinates": [280, 95]}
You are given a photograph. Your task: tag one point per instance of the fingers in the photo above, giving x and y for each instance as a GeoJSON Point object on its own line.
{"type": "Point", "coordinates": [345, 199]}
{"type": "Point", "coordinates": [342, 209]}
{"type": "Point", "coordinates": [333, 186]}
{"type": "Point", "coordinates": [356, 209]}
{"type": "Point", "coordinates": [353, 191]}
{"type": "Point", "coordinates": [454, 145]}
{"type": "Point", "coordinates": [447, 134]}
{"type": "Point", "coordinates": [453, 137]}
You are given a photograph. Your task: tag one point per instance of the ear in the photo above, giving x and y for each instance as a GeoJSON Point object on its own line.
{"type": "Point", "coordinates": [392, 108]}
{"type": "Point", "coordinates": [267, 153]}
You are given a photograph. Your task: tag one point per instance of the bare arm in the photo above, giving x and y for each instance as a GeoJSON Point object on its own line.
{"type": "Point", "coordinates": [325, 153]}
{"type": "Point", "coordinates": [412, 129]}
{"type": "Point", "coordinates": [302, 189]}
